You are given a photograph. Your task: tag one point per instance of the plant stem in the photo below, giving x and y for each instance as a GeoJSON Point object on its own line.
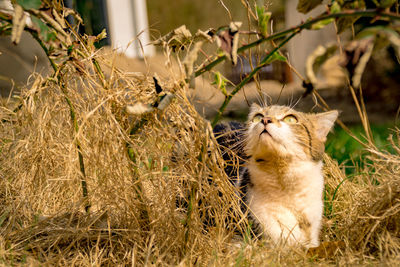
{"type": "Point", "coordinates": [72, 115]}
{"type": "Point", "coordinates": [78, 146]}
{"type": "Point", "coordinates": [45, 49]}
{"type": "Point", "coordinates": [248, 78]}
{"type": "Point", "coordinates": [305, 25]}
{"type": "Point", "coordinates": [99, 72]}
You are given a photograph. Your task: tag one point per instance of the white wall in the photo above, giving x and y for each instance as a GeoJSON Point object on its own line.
{"type": "Point", "coordinates": [301, 46]}
{"type": "Point", "coordinates": [129, 27]}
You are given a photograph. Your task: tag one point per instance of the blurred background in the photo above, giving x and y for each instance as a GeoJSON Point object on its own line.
{"type": "Point", "coordinates": [131, 25]}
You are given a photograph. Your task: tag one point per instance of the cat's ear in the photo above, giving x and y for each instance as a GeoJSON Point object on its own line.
{"type": "Point", "coordinates": [325, 123]}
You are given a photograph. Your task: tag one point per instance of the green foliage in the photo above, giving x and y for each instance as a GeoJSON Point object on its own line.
{"type": "Point", "coordinates": [346, 150]}
{"type": "Point", "coordinates": [263, 20]}
{"type": "Point", "coordinates": [347, 22]}
{"type": "Point", "coordinates": [304, 6]}
{"type": "Point", "coordinates": [335, 8]}
{"type": "Point", "coordinates": [220, 81]}
{"type": "Point", "coordinates": [46, 33]}
{"type": "Point", "coordinates": [276, 56]}
{"type": "Point", "coordinates": [384, 3]}
{"type": "Point", "coordinates": [29, 4]}
{"type": "Point", "coordinates": [321, 24]}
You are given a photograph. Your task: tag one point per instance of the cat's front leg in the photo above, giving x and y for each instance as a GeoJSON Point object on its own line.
{"type": "Point", "coordinates": [283, 227]}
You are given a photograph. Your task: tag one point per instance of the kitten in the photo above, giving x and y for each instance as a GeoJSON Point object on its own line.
{"type": "Point", "coordinates": [281, 181]}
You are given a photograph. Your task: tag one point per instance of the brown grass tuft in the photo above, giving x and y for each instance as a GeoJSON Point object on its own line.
{"type": "Point", "coordinates": [152, 209]}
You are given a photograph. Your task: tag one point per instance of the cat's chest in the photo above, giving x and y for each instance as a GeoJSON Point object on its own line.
{"type": "Point", "coordinates": [300, 180]}
{"type": "Point", "coordinates": [306, 200]}
{"type": "Point", "coordinates": [290, 205]}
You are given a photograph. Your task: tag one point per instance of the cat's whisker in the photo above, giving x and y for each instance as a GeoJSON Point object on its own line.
{"type": "Point", "coordinates": [268, 100]}
{"type": "Point", "coordinates": [290, 100]}
{"type": "Point", "coordinates": [260, 99]}
{"type": "Point", "coordinates": [296, 103]}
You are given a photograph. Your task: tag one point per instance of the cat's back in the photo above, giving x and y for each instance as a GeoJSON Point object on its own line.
{"type": "Point", "coordinates": [230, 137]}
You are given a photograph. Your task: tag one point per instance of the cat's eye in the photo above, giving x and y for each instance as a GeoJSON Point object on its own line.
{"type": "Point", "coordinates": [290, 119]}
{"type": "Point", "coordinates": [257, 118]}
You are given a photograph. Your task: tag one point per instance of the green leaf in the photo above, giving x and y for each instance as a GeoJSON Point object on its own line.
{"type": "Point", "coordinates": [305, 6]}
{"type": "Point", "coordinates": [335, 8]}
{"type": "Point", "coordinates": [274, 57]}
{"type": "Point", "coordinates": [220, 81]}
{"type": "Point", "coordinates": [30, 4]}
{"type": "Point", "coordinates": [384, 3]}
{"type": "Point", "coordinates": [45, 32]}
{"type": "Point", "coordinates": [347, 22]}
{"type": "Point", "coordinates": [101, 36]}
{"type": "Point", "coordinates": [263, 20]}
{"type": "Point", "coordinates": [321, 24]}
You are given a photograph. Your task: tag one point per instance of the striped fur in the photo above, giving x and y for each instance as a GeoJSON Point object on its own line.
{"type": "Point", "coordinates": [280, 171]}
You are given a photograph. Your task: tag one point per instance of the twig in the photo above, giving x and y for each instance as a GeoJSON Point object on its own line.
{"type": "Point", "coordinates": [227, 9]}
{"type": "Point", "coordinates": [305, 25]}
{"type": "Point", "coordinates": [45, 49]}
{"type": "Point", "coordinates": [248, 78]}
{"type": "Point", "coordinates": [96, 64]}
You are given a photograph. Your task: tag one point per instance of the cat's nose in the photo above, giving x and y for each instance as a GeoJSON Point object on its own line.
{"type": "Point", "coordinates": [266, 120]}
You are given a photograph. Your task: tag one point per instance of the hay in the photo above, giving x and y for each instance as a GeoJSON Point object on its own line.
{"type": "Point", "coordinates": [134, 214]}
{"type": "Point", "coordinates": [168, 204]}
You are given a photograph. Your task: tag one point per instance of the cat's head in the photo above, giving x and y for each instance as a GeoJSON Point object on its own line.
{"type": "Point", "coordinates": [282, 131]}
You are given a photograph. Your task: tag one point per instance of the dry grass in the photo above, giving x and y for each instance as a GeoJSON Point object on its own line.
{"type": "Point", "coordinates": [151, 211]}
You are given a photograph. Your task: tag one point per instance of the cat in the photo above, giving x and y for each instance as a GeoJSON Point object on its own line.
{"type": "Point", "coordinates": [279, 175]}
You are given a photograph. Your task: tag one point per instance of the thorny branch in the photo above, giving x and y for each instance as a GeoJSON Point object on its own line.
{"type": "Point", "coordinates": [293, 31]}
{"type": "Point", "coordinates": [298, 28]}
